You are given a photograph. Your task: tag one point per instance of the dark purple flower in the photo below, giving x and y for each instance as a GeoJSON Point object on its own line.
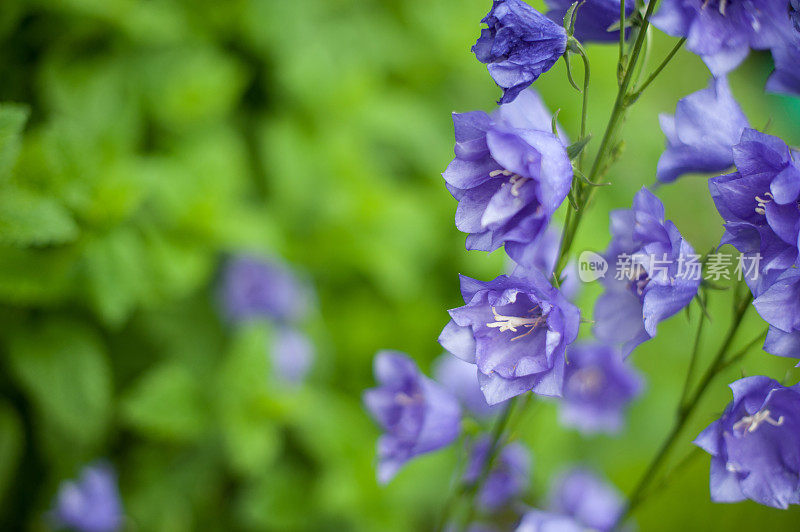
{"type": "Point", "coordinates": [417, 414]}
{"type": "Point", "coordinates": [508, 478]}
{"type": "Point", "coordinates": [654, 278]}
{"type": "Point", "coordinates": [516, 330]}
{"type": "Point", "coordinates": [461, 379]}
{"type": "Point", "coordinates": [722, 32]}
{"type": "Point", "coordinates": [786, 78]}
{"type": "Point", "coordinates": [779, 305]}
{"type": "Point", "coordinates": [755, 445]}
{"type": "Point", "coordinates": [90, 504]}
{"type": "Point", "coordinates": [586, 498]}
{"type": "Point", "coordinates": [702, 133]}
{"type": "Point", "coordinates": [593, 19]}
{"type": "Point", "coordinates": [519, 45]}
{"type": "Point", "coordinates": [759, 203]}
{"type": "Point", "coordinates": [794, 13]}
{"type": "Point", "coordinates": [541, 521]}
{"type": "Point", "coordinates": [598, 386]}
{"type": "Point", "coordinates": [292, 354]}
{"type": "Point", "coordinates": [253, 287]}
{"type": "Point", "coordinates": [509, 175]}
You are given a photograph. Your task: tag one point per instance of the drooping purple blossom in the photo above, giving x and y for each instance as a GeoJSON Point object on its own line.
{"type": "Point", "coordinates": [541, 521]}
{"type": "Point", "coordinates": [779, 305]}
{"type": "Point", "coordinates": [292, 354]}
{"type": "Point", "coordinates": [598, 386]}
{"type": "Point", "coordinates": [508, 478]}
{"type": "Point", "coordinates": [461, 379]}
{"type": "Point", "coordinates": [654, 277]}
{"type": "Point", "coordinates": [417, 415]}
{"type": "Point", "coordinates": [593, 19]}
{"type": "Point", "coordinates": [91, 503]}
{"type": "Point", "coordinates": [583, 496]}
{"type": "Point", "coordinates": [541, 254]}
{"type": "Point", "coordinates": [509, 175]}
{"type": "Point", "coordinates": [755, 445]}
{"type": "Point", "coordinates": [702, 133]}
{"type": "Point", "coordinates": [253, 287]}
{"type": "Point", "coordinates": [519, 45]}
{"type": "Point", "coordinates": [722, 32]}
{"type": "Point", "coordinates": [786, 77]}
{"type": "Point", "coordinates": [516, 330]}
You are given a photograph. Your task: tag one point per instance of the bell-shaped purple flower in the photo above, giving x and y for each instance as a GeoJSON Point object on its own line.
{"type": "Point", "coordinates": [516, 330]}
{"type": "Point", "coordinates": [519, 45]}
{"type": "Point", "coordinates": [91, 503]}
{"type": "Point", "coordinates": [253, 287]}
{"type": "Point", "coordinates": [510, 173]}
{"type": "Point", "coordinates": [786, 77]}
{"type": "Point", "coordinates": [654, 275]}
{"type": "Point", "coordinates": [722, 32]}
{"type": "Point", "coordinates": [292, 354]}
{"type": "Point", "coordinates": [541, 254]}
{"type": "Point", "coordinates": [417, 414]}
{"type": "Point", "coordinates": [508, 478]}
{"type": "Point", "coordinates": [702, 133]}
{"type": "Point", "coordinates": [779, 305]}
{"type": "Point", "coordinates": [541, 521]}
{"type": "Point", "coordinates": [755, 445]}
{"type": "Point", "coordinates": [598, 386]}
{"type": "Point", "coordinates": [593, 19]}
{"type": "Point", "coordinates": [461, 379]}
{"type": "Point", "coordinates": [583, 496]}
{"type": "Point", "coordinates": [759, 204]}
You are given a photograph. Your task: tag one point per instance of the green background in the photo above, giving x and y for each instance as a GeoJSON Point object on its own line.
{"type": "Point", "coordinates": [141, 141]}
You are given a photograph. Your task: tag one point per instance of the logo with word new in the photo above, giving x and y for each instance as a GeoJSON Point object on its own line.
{"type": "Point", "coordinates": [591, 266]}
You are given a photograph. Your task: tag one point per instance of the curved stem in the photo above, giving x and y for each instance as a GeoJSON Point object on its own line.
{"type": "Point", "coordinates": [659, 68]}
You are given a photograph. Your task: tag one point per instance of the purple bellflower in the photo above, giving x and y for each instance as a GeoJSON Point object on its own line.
{"type": "Point", "coordinates": [598, 386]}
{"type": "Point", "coordinates": [786, 78]}
{"type": "Point", "coordinates": [593, 19]}
{"type": "Point", "coordinates": [292, 354]}
{"type": "Point", "coordinates": [508, 478]}
{"type": "Point", "coordinates": [91, 503]}
{"type": "Point", "coordinates": [589, 500]}
{"type": "Point", "coordinates": [417, 414]}
{"type": "Point", "coordinates": [654, 277]}
{"type": "Point", "coordinates": [461, 379]}
{"type": "Point", "coordinates": [510, 173]}
{"type": "Point", "coordinates": [541, 521]}
{"type": "Point", "coordinates": [541, 254]}
{"type": "Point", "coordinates": [519, 45]}
{"type": "Point", "coordinates": [779, 305]}
{"type": "Point", "coordinates": [516, 330]}
{"type": "Point", "coordinates": [253, 287]}
{"type": "Point", "coordinates": [702, 133]}
{"type": "Point", "coordinates": [755, 445]}
{"type": "Point", "coordinates": [722, 32]}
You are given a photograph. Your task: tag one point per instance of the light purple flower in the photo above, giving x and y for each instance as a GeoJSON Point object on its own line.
{"type": "Point", "coordinates": [541, 254]}
{"type": "Point", "coordinates": [586, 498]}
{"type": "Point", "coordinates": [254, 287]}
{"type": "Point", "coordinates": [508, 478]}
{"type": "Point", "coordinates": [519, 45]}
{"type": "Point", "coordinates": [510, 173]}
{"type": "Point", "coordinates": [755, 445]}
{"type": "Point", "coordinates": [786, 78]}
{"type": "Point", "coordinates": [91, 503]}
{"type": "Point", "coordinates": [541, 521]}
{"type": "Point", "coordinates": [593, 19]}
{"type": "Point", "coordinates": [292, 354]}
{"type": "Point", "coordinates": [702, 133]}
{"type": "Point", "coordinates": [654, 279]}
{"type": "Point", "coordinates": [722, 32]}
{"type": "Point", "coordinates": [779, 305]}
{"type": "Point", "coordinates": [461, 379]}
{"type": "Point", "coordinates": [417, 414]}
{"type": "Point", "coordinates": [516, 330]}
{"type": "Point", "coordinates": [598, 386]}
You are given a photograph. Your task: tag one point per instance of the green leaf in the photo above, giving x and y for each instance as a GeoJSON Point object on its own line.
{"type": "Point", "coordinates": [30, 219]}
{"type": "Point", "coordinates": [11, 440]}
{"type": "Point", "coordinates": [575, 149]}
{"type": "Point", "coordinates": [63, 369]}
{"type": "Point", "coordinates": [12, 120]}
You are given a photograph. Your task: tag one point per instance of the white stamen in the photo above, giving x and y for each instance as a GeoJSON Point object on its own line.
{"type": "Point", "coordinates": [404, 399]}
{"type": "Point", "coordinates": [751, 423]}
{"type": "Point", "coordinates": [510, 323]}
{"type": "Point", "coordinates": [495, 173]}
{"type": "Point", "coordinates": [516, 183]}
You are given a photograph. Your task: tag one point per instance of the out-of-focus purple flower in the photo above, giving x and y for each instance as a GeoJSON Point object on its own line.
{"type": "Point", "coordinates": [598, 386]}
{"type": "Point", "coordinates": [702, 133]}
{"type": "Point", "coordinates": [654, 279]}
{"type": "Point", "coordinates": [417, 414]}
{"type": "Point", "coordinates": [519, 45]}
{"type": "Point", "coordinates": [541, 521]}
{"type": "Point", "coordinates": [508, 478]}
{"type": "Point", "coordinates": [786, 78]}
{"type": "Point", "coordinates": [722, 32]}
{"type": "Point", "coordinates": [759, 204]}
{"type": "Point", "coordinates": [794, 13]}
{"type": "Point", "coordinates": [91, 503]}
{"type": "Point", "coordinates": [509, 175]}
{"type": "Point", "coordinates": [461, 379]}
{"type": "Point", "coordinates": [779, 305]}
{"type": "Point", "coordinates": [755, 445]}
{"type": "Point", "coordinates": [516, 330]}
{"type": "Point", "coordinates": [541, 254]}
{"type": "Point", "coordinates": [586, 498]}
{"type": "Point", "coordinates": [292, 354]}
{"type": "Point", "coordinates": [254, 287]}
{"type": "Point", "coordinates": [593, 19]}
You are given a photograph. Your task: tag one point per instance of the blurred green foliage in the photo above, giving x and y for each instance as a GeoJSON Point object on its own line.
{"type": "Point", "coordinates": [141, 141]}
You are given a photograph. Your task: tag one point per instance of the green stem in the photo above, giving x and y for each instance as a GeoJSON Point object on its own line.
{"type": "Point", "coordinates": [693, 361]}
{"type": "Point", "coordinates": [659, 68]}
{"type": "Point", "coordinates": [621, 34]}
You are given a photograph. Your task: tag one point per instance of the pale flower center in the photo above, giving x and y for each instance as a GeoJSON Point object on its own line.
{"type": "Point", "coordinates": [762, 203]}
{"type": "Point", "coordinates": [751, 423]}
{"type": "Point", "coordinates": [512, 323]}
{"type": "Point", "coordinates": [516, 180]}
